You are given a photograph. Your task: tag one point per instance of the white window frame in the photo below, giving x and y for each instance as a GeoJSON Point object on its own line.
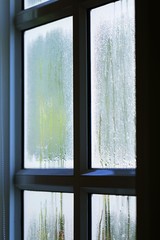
{"type": "Point", "coordinates": [13, 178]}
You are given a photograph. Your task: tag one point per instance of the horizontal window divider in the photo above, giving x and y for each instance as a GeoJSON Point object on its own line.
{"type": "Point", "coordinates": [21, 181]}
{"type": "Point", "coordinates": [45, 188]}
{"type": "Point", "coordinates": [43, 13]}
{"type": "Point", "coordinates": [48, 178]}
{"type": "Point", "coordinates": [108, 181]}
{"type": "Point", "coordinates": [46, 172]}
{"type": "Point", "coordinates": [66, 177]}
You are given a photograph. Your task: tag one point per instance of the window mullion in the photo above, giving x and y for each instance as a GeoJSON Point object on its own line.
{"type": "Point", "coordinates": [81, 198]}
{"type": "Point", "coordinates": [81, 98]}
{"type": "Point", "coordinates": [82, 215]}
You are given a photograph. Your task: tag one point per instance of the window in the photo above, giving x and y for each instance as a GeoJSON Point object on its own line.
{"type": "Point", "coordinates": [71, 127]}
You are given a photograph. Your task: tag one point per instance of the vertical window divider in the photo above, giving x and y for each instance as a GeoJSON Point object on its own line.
{"type": "Point", "coordinates": [81, 130]}
{"type": "Point", "coordinates": [4, 118]}
{"type": "Point", "coordinates": [16, 124]}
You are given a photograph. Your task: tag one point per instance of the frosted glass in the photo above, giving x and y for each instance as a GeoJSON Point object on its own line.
{"type": "Point", "coordinates": [113, 217]}
{"type": "Point", "coordinates": [113, 85]}
{"type": "Point", "coordinates": [48, 216]}
{"type": "Point", "coordinates": [48, 93]}
{"type": "Point", "coordinates": [31, 3]}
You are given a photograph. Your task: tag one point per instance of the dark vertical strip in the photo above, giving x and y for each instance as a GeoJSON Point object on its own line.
{"type": "Point", "coordinates": [81, 90]}
{"type": "Point", "coordinates": [4, 118]}
{"type": "Point", "coordinates": [16, 118]}
{"type": "Point", "coordinates": [80, 120]}
{"type": "Point", "coordinates": [142, 106]}
{"type": "Point", "coordinates": [76, 109]}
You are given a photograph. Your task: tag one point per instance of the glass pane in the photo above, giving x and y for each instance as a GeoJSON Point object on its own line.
{"type": "Point", "coordinates": [49, 95]}
{"type": "Point", "coordinates": [113, 85]}
{"type": "Point", "coordinates": [48, 216]}
{"type": "Point", "coordinates": [31, 3]}
{"type": "Point", "coordinates": [113, 217]}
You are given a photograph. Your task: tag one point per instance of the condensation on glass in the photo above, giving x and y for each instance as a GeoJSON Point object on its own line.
{"type": "Point", "coordinates": [113, 85]}
{"type": "Point", "coordinates": [48, 91]}
{"type": "Point", "coordinates": [113, 217]}
{"type": "Point", "coordinates": [31, 3]}
{"type": "Point", "coordinates": [48, 215]}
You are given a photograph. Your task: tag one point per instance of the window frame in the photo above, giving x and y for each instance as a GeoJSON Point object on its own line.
{"type": "Point", "coordinates": [84, 181]}
{"type": "Point", "coordinates": [82, 177]}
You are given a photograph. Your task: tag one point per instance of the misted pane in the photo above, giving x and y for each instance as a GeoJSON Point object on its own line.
{"type": "Point", "coordinates": [48, 216]}
{"type": "Point", "coordinates": [113, 217]}
{"type": "Point", "coordinates": [31, 3]}
{"type": "Point", "coordinates": [113, 85]}
{"type": "Point", "coordinates": [48, 94]}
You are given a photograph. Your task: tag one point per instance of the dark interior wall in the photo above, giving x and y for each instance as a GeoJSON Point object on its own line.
{"type": "Point", "coordinates": [148, 76]}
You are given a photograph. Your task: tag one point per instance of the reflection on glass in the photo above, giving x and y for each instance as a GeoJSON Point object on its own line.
{"type": "Point", "coordinates": [113, 85]}
{"type": "Point", "coordinates": [48, 216]}
{"type": "Point", "coordinates": [113, 217]}
{"type": "Point", "coordinates": [31, 3]}
{"type": "Point", "coordinates": [49, 95]}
